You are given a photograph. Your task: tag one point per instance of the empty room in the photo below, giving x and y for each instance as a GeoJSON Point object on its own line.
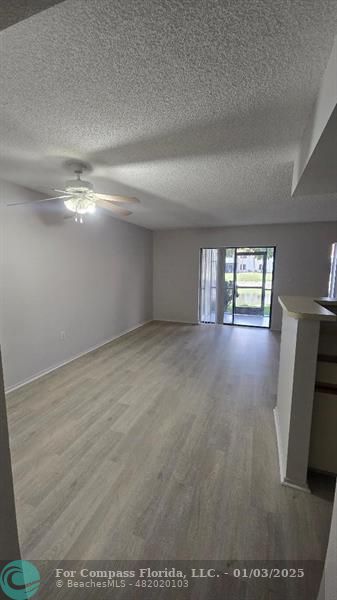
{"type": "Point", "coordinates": [168, 315]}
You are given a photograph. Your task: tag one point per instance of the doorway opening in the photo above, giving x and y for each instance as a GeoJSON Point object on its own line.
{"type": "Point", "coordinates": [236, 286]}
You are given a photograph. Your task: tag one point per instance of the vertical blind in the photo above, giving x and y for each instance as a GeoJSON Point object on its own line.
{"type": "Point", "coordinates": [208, 285]}
{"type": "Point", "coordinates": [333, 272]}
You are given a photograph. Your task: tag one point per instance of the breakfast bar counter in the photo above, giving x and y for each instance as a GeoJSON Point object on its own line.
{"type": "Point", "coordinates": [301, 325]}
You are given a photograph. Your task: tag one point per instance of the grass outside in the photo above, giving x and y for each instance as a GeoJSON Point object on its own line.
{"type": "Point", "coordinates": [252, 278]}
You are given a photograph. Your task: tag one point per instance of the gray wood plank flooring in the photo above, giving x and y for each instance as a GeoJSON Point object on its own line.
{"type": "Point", "coordinates": [161, 445]}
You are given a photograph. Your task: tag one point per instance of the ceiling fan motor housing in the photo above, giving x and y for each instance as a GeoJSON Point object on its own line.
{"type": "Point", "coordinates": [78, 186]}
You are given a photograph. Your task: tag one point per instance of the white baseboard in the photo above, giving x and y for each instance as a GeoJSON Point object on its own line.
{"type": "Point", "coordinates": [40, 374]}
{"type": "Point", "coordinates": [178, 321]}
{"type": "Point", "coordinates": [301, 488]}
{"type": "Point", "coordinates": [284, 480]}
{"type": "Point", "coordinates": [279, 444]}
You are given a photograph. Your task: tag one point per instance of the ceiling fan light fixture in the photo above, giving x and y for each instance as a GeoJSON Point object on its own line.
{"type": "Point", "coordinates": [80, 205]}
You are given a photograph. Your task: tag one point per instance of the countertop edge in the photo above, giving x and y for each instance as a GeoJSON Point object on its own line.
{"type": "Point", "coordinates": [315, 313]}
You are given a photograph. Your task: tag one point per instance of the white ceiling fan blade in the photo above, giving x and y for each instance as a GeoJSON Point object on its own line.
{"type": "Point", "coordinates": [35, 201]}
{"type": "Point", "coordinates": [62, 191]}
{"type": "Point", "coordinates": [122, 212]}
{"type": "Point", "coordinates": [117, 198]}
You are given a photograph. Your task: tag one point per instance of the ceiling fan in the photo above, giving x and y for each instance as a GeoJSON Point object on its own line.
{"type": "Point", "coordinates": [80, 199]}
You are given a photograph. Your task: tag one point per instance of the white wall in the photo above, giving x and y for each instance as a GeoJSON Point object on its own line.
{"type": "Point", "coordinates": [325, 105]}
{"type": "Point", "coordinates": [301, 267]}
{"type": "Point", "coordinates": [91, 281]}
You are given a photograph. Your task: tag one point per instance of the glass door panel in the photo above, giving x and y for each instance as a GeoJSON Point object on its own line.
{"type": "Point", "coordinates": [248, 300]}
{"type": "Point", "coordinates": [267, 303]}
{"type": "Point", "coordinates": [253, 282]}
{"type": "Point", "coordinates": [249, 270]}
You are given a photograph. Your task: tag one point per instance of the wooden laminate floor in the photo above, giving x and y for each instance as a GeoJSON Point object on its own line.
{"type": "Point", "coordinates": [161, 445]}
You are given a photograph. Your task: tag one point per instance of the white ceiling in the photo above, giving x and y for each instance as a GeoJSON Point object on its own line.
{"type": "Point", "coordinates": [195, 106]}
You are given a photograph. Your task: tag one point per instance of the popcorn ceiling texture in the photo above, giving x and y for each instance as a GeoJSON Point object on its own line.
{"type": "Point", "coordinates": [13, 11]}
{"type": "Point", "coordinates": [195, 106]}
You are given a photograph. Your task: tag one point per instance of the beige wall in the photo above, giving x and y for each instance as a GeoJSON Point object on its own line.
{"type": "Point", "coordinates": [9, 540]}
{"type": "Point", "coordinates": [301, 267]}
{"type": "Point", "coordinates": [90, 281]}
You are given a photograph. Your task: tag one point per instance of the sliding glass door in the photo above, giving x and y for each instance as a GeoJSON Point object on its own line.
{"type": "Point", "coordinates": [236, 286]}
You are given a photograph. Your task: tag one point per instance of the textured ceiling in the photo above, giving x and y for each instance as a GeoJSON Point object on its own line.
{"type": "Point", "coordinates": [13, 11]}
{"type": "Point", "coordinates": [195, 106]}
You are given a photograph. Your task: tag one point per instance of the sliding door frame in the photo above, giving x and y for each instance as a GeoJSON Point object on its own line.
{"type": "Point", "coordinates": [251, 287]}
{"type": "Point", "coordinates": [235, 248]}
